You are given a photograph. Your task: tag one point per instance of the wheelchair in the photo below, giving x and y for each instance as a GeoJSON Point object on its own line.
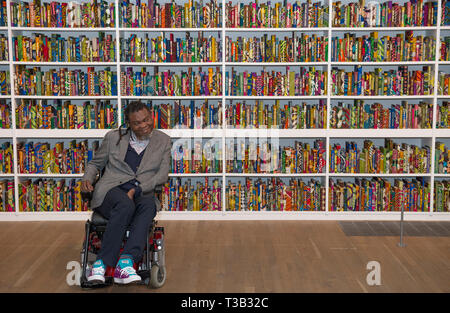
{"type": "Point", "coordinates": [151, 268]}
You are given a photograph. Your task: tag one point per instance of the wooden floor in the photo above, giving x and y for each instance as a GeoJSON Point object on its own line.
{"type": "Point", "coordinates": [237, 256]}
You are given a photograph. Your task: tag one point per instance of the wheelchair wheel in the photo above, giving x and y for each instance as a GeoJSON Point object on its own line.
{"type": "Point", "coordinates": [157, 276]}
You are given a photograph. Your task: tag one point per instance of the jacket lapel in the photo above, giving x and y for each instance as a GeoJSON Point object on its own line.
{"type": "Point", "coordinates": [123, 146]}
{"type": "Point", "coordinates": [148, 151]}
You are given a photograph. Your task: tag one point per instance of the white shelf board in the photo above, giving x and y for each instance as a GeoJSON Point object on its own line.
{"type": "Point", "coordinates": [144, 29]}
{"type": "Point", "coordinates": [67, 97]}
{"type": "Point", "coordinates": [404, 175]}
{"type": "Point", "coordinates": [380, 133]}
{"type": "Point", "coordinates": [238, 215]}
{"type": "Point", "coordinates": [369, 29]}
{"type": "Point", "coordinates": [6, 133]}
{"type": "Point", "coordinates": [275, 175]}
{"type": "Point", "coordinates": [42, 175]}
{"type": "Point", "coordinates": [64, 29]}
{"type": "Point", "coordinates": [34, 63]}
{"type": "Point", "coordinates": [193, 133]}
{"type": "Point", "coordinates": [170, 97]}
{"type": "Point", "coordinates": [274, 132]}
{"type": "Point", "coordinates": [276, 97]}
{"type": "Point", "coordinates": [61, 133]}
{"type": "Point", "coordinates": [272, 29]}
{"type": "Point", "coordinates": [192, 64]}
{"type": "Point", "coordinates": [263, 64]}
{"type": "Point", "coordinates": [442, 132]}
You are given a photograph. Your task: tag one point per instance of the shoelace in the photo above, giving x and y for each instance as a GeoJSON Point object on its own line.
{"type": "Point", "coordinates": [127, 270]}
{"type": "Point", "coordinates": [98, 270]}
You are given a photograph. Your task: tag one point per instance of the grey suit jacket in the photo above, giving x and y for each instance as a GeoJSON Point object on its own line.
{"type": "Point", "coordinates": [153, 170]}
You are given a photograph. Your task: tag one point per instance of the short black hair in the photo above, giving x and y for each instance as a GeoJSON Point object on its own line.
{"type": "Point", "coordinates": [134, 106]}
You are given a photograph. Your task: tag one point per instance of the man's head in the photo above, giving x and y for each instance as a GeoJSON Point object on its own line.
{"type": "Point", "coordinates": [139, 119]}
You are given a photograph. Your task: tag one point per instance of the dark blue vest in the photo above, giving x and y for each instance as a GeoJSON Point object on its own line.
{"type": "Point", "coordinates": [133, 160]}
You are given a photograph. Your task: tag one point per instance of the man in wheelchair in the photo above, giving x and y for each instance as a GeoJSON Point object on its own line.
{"type": "Point", "coordinates": [132, 162]}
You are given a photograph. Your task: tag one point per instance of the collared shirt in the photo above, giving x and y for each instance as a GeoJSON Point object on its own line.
{"type": "Point", "coordinates": [137, 144]}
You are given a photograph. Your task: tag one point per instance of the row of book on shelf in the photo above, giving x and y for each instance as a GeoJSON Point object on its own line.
{"type": "Point", "coordinates": [293, 115]}
{"type": "Point", "coordinates": [40, 114]}
{"type": "Point", "coordinates": [301, 82]}
{"type": "Point", "coordinates": [385, 14]}
{"type": "Point", "coordinates": [188, 14]}
{"type": "Point", "coordinates": [241, 157]}
{"type": "Point", "coordinates": [102, 114]}
{"type": "Point", "coordinates": [298, 48]}
{"type": "Point", "coordinates": [55, 48]}
{"type": "Point", "coordinates": [207, 14]}
{"type": "Point", "coordinates": [390, 158]}
{"type": "Point", "coordinates": [272, 157]}
{"type": "Point", "coordinates": [382, 83]}
{"type": "Point", "coordinates": [171, 83]}
{"type": "Point", "coordinates": [65, 82]}
{"type": "Point", "coordinates": [387, 48]}
{"type": "Point", "coordinates": [271, 194]}
{"type": "Point", "coordinates": [73, 14]}
{"type": "Point", "coordinates": [378, 194]}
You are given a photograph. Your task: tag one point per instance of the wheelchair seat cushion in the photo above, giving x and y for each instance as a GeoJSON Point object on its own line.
{"type": "Point", "coordinates": [98, 219]}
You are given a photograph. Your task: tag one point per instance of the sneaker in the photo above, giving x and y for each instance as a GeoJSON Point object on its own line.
{"type": "Point", "coordinates": [97, 272]}
{"type": "Point", "coordinates": [125, 273]}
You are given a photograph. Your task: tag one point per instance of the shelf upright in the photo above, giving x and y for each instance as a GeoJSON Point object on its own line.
{"type": "Point", "coordinates": [13, 109]}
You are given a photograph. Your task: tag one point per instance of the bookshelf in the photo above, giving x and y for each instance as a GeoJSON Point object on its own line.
{"type": "Point", "coordinates": [220, 135]}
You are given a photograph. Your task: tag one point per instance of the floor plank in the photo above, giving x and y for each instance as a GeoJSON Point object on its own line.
{"type": "Point", "coordinates": [244, 257]}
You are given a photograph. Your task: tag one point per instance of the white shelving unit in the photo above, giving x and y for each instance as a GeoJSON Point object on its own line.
{"type": "Point", "coordinates": [328, 134]}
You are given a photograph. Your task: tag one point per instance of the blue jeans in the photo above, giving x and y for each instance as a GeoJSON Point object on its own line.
{"type": "Point", "coordinates": [122, 212]}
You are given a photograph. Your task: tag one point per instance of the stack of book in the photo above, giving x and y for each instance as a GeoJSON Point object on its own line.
{"type": "Point", "coordinates": [36, 114]}
{"type": "Point", "coordinates": [95, 13]}
{"type": "Point", "coordinates": [192, 116]}
{"type": "Point", "coordinates": [42, 158]}
{"type": "Point", "coordinates": [444, 82]}
{"type": "Point", "coordinates": [299, 82]}
{"type": "Point", "coordinates": [399, 82]}
{"type": "Point", "coordinates": [442, 196]}
{"type": "Point", "coordinates": [42, 48]}
{"type": "Point", "coordinates": [303, 48]}
{"type": "Point", "coordinates": [445, 19]}
{"type": "Point", "coordinates": [374, 48]}
{"type": "Point", "coordinates": [290, 116]}
{"type": "Point", "coordinates": [378, 194]}
{"type": "Point", "coordinates": [3, 14]}
{"type": "Point", "coordinates": [443, 115]}
{"type": "Point", "coordinates": [4, 48]}
{"type": "Point", "coordinates": [6, 158]}
{"type": "Point", "coordinates": [372, 116]}
{"type": "Point", "coordinates": [5, 84]}
{"type": "Point", "coordinates": [162, 49]}
{"type": "Point", "coordinates": [178, 196]}
{"type": "Point", "coordinates": [392, 158]}
{"type": "Point", "coordinates": [283, 14]}
{"type": "Point", "coordinates": [64, 82]}
{"type": "Point", "coordinates": [273, 194]}
{"type": "Point", "coordinates": [201, 158]}
{"type": "Point", "coordinates": [151, 14]}
{"type": "Point", "coordinates": [445, 49]}
{"type": "Point", "coordinates": [48, 195]}
{"type": "Point", "coordinates": [5, 114]}
{"type": "Point", "coordinates": [170, 83]}
{"type": "Point", "coordinates": [265, 157]}
{"type": "Point", "coordinates": [386, 14]}
{"type": "Point", "coordinates": [441, 159]}
{"type": "Point", "coordinates": [6, 195]}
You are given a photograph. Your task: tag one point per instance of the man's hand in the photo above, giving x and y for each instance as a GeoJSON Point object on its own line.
{"type": "Point", "coordinates": [130, 193]}
{"type": "Point", "coordinates": [86, 186]}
